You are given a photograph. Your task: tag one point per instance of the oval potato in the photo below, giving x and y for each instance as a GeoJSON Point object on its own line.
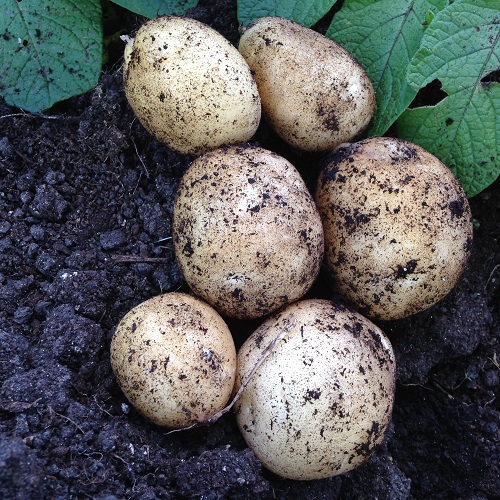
{"type": "Point", "coordinates": [247, 234]}
{"type": "Point", "coordinates": [322, 400]}
{"type": "Point", "coordinates": [189, 86]}
{"type": "Point", "coordinates": [398, 227]}
{"type": "Point", "coordinates": [174, 359]}
{"type": "Point", "coordinates": [314, 93]}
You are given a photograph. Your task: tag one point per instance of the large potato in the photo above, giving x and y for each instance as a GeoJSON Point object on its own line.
{"type": "Point", "coordinates": [174, 359]}
{"type": "Point", "coordinates": [321, 402]}
{"type": "Point", "coordinates": [246, 231]}
{"type": "Point", "coordinates": [189, 86]}
{"type": "Point", "coordinates": [398, 227]}
{"type": "Point", "coordinates": [314, 93]}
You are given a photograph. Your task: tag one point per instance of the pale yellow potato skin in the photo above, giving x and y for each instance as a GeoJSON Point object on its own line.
{"type": "Point", "coordinates": [314, 93]}
{"type": "Point", "coordinates": [174, 359]}
{"type": "Point", "coordinates": [398, 227]}
{"type": "Point", "coordinates": [247, 234]}
{"type": "Point", "coordinates": [189, 86]}
{"type": "Point", "coordinates": [321, 402]}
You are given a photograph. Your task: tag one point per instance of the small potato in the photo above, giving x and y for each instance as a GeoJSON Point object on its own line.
{"type": "Point", "coordinates": [322, 400]}
{"type": "Point", "coordinates": [247, 234]}
{"type": "Point", "coordinates": [174, 359]}
{"type": "Point", "coordinates": [189, 86]}
{"type": "Point", "coordinates": [314, 94]}
{"type": "Point", "coordinates": [398, 227]}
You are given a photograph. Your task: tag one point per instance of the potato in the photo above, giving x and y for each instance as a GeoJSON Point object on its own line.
{"type": "Point", "coordinates": [398, 227]}
{"type": "Point", "coordinates": [189, 86]}
{"type": "Point", "coordinates": [247, 234]}
{"type": "Point", "coordinates": [174, 359]}
{"type": "Point", "coordinates": [321, 402]}
{"type": "Point", "coordinates": [314, 94]}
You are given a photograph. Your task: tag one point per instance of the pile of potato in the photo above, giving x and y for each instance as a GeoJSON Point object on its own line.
{"type": "Point", "coordinates": [389, 225]}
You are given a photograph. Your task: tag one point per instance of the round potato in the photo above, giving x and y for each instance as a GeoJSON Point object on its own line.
{"type": "Point", "coordinates": [321, 401]}
{"type": "Point", "coordinates": [189, 86]}
{"type": "Point", "coordinates": [246, 231]}
{"type": "Point", "coordinates": [398, 227]}
{"type": "Point", "coordinates": [174, 359]}
{"type": "Point", "coordinates": [314, 94]}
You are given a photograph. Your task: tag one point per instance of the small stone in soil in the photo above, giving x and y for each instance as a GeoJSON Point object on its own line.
{"type": "Point", "coordinates": [112, 239]}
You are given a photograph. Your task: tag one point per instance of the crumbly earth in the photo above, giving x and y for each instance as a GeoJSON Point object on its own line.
{"type": "Point", "coordinates": [86, 198]}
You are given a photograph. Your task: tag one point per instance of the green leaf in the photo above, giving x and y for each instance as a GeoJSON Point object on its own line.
{"type": "Point", "coordinates": [461, 49]}
{"type": "Point", "coordinates": [155, 8]}
{"type": "Point", "coordinates": [384, 35]}
{"type": "Point", "coordinates": [305, 13]}
{"type": "Point", "coordinates": [49, 51]}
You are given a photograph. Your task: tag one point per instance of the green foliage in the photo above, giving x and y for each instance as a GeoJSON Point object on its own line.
{"type": "Point", "coordinates": [404, 45]}
{"type": "Point", "coordinates": [384, 36]}
{"type": "Point", "coordinates": [461, 49]}
{"type": "Point", "coordinates": [49, 51]}
{"type": "Point", "coordinates": [155, 8]}
{"type": "Point", "coordinates": [305, 13]}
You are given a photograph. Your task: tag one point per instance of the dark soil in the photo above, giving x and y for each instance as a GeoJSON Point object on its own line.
{"type": "Point", "coordinates": [85, 211]}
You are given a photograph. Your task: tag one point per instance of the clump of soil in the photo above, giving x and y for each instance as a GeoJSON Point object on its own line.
{"type": "Point", "coordinates": [86, 200]}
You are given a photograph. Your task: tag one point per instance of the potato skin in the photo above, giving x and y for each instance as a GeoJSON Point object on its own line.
{"type": "Point", "coordinates": [174, 359]}
{"type": "Point", "coordinates": [322, 401]}
{"type": "Point", "coordinates": [189, 86]}
{"type": "Point", "coordinates": [314, 93]}
{"type": "Point", "coordinates": [247, 234]}
{"type": "Point", "coordinates": [398, 226]}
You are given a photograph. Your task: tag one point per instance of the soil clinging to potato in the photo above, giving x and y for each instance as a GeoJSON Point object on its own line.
{"type": "Point", "coordinates": [86, 197]}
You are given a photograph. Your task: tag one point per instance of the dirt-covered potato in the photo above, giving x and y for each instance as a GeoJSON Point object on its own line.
{"type": "Point", "coordinates": [314, 94]}
{"type": "Point", "coordinates": [398, 227]}
{"type": "Point", "coordinates": [189, 86]}
{"type": "Point", "coordinates": [321, 402]}
{"type": "Point", "coordinates": [246, 231]}
{"type": "Point", "coordinates": [174, 359]}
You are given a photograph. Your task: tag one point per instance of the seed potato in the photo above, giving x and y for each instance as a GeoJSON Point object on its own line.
{"type": "Point", "coordinates": [398, 227]}
{"type": "Point", "coordinates": [189, 86]}
{"type": "Point", "coordinates": [247, 234]}
{"type": "Point", "coordinates": [322, 401]}
{"type": "Point", "coordinates": [174, 359]}
{"type": "Point", "coordinates": [314, 93]}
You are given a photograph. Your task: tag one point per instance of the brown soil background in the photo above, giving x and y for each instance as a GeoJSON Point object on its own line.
{"type": "Point", "coordinates": [85, 186]}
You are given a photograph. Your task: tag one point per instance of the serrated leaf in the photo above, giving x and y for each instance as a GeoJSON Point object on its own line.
{"type": "Point", "coordinates": [50, 51]}
{"type": "Point", "coordinates": [305, 13]}
{"type": "Point", "coordinates": [460, 49]}
{"type": "Point", "coordinates": [155, 8]}
{"type": "Point", "coordinates": [466, 140]}
{"type": "Point", "coordinates": [384, 35]}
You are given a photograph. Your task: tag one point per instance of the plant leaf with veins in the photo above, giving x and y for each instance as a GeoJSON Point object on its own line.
{"type": "Point", "coordinates": [384, 35]}
{"type": "Point", "coordinates": [155, 8]}
{"type": "Point", "coordinates": [461, 49]}
{"type": "Point", "coordinates": [49, 51]}
{"type": "Point", "coordinates": [305, 13]}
